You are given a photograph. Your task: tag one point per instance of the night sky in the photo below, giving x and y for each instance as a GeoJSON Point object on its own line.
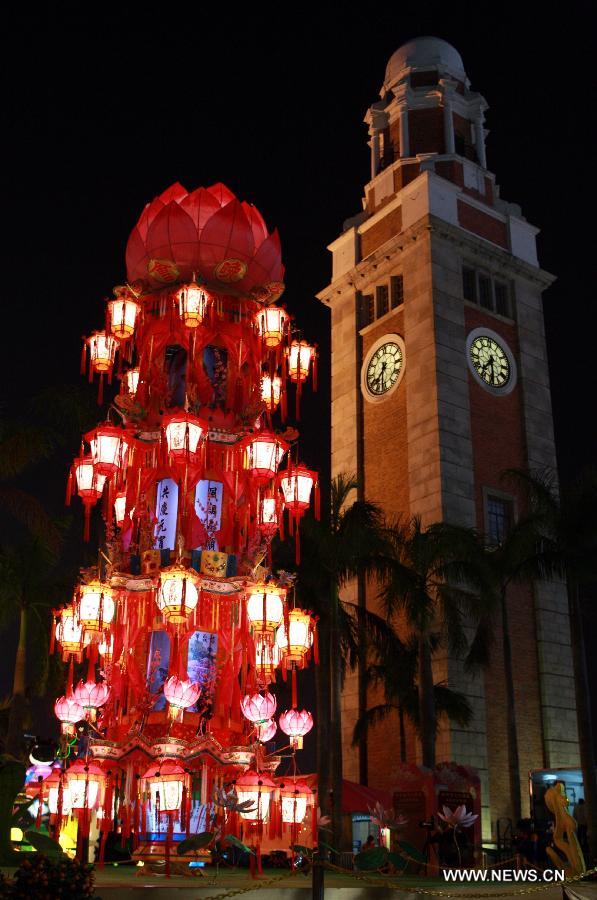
{"type": "Point", "coordinates": [104, 109]}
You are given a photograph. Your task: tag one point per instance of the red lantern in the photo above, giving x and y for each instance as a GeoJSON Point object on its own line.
{"type": "Point", "coordinates": [271, 389]}
{"type": "Point", "coordinates": [90, 482]}
{"type": "Point", "coordinates": [108, 448]}
{"type": "Point", "coordinates": [267, 660]}
{"type": "Point", "coordinates": [256, 787]}
{"type": "Point", "coordinates": [296, 725]}
{"type": "Point", "coordinates": [165, 783]}
{"type": "Point", "coordinates": [96, 606]}
{"type": "Point", "coordinates": [296, 639]}
{"type": "Point", "coordinates": [263, 454]}
{"type": "Point", "coordinates": [85, 782]}
{"type": "Point", "coordinates": [178, 594]}
{"type": "Point", "coordinates": [69, 634]}
{"type": "Point", "coordinates": [131, 379]}
{"type": "Point", "coordinates": [267, 516]}
{"type": "Point", "coordinates": [102, 351]}
{"type": "Point", "coordinates": [265, 607]}
{"type": "Point", "coordinates": [296, 484]}
{"type": "Point", "coordinates": [120, 507]}
{"type": "Point", "coordinates": [271, 325]}
{"type": "Point", "coordinates": [295, 797]}
{"type": "Point", "coordinates": [299, 356]}
{"type": "Point", "coordinates": [192, 304]}
{"type": "Point", "coordinates": [184, 433]}
{"type": "Point", "coordinates": [123, 314]}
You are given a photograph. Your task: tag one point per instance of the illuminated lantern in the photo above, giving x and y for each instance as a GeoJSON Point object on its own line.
{"type": "Point", "coordinates": [165, 782]}
{"type": "Point", "coordinates": [96, 606]}
{"type": "Point", "coordinates": [106, 648]}
{"type": "Point", "coordinates": [180, 695]}
{"type": "Point", "coordinates": [295, 642]}
{"type": "Point", "coordinates": [68, 711]}
{"type": "Point", "coordinates": [299, 356]}
{"type": "Point", "coordinates": [120, 507]}
{"type": "Point", "coordinates": [177, 595]}
{"type": "Point", "coordinates": [296, 484]}
{"type": "Point", "coordinates": [183, 435]}
{"type": "Point", "coordinates": [265, 607]}
{"type": "Point", "coordinates": [258, 708]}
{"type": "Point", "coordinates": [271, 388]}
{"type": "Point", "coordinates": [91, 695]}
{"type": "Point", "coordinates": [267, 516]}
{"type": "Point", "coordinates": [84, 782]}
{"type": "Point", "coordinates": [131, 379]}
{"type": "Point", "coordinates": [295, 798]}
{"type": "Point", "coordinates": [267, 660]}
{"type": "Point", "coordinates": [257, 788]}
{"type": "Point", "coordinates": [263, 454]}
{"type": "Point", "coordinates": [90, 482]}
{"type": "Point", "coordinates": [69, 634]}
{"type": "Point", "coordinates": [123, 314]}
{"type": "Point", "coordinates": [296, 724]}
{"type": "Point", "coordinates": [271, 324]}
{"type": "Point", "coordinates": [107, 448]}
{"type": "Point", "coordinates": [266, 730]}
{"type": "Point", "coordinates": [192, 304]}
{"type": "Point", "coordinates": [52, 785]}
{"type": "Point", "coordinates": [102, 351]}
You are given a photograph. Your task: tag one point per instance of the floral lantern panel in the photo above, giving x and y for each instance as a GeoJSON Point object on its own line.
{"type": "Point", "coordinates": [178, 593]}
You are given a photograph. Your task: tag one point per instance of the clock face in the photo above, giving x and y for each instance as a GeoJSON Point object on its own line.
{"type": "Point", "coordinates": [384, 368]}
{"type": "Point", "coordinates": [490, 361]}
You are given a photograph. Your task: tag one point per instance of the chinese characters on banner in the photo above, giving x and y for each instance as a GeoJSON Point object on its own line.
{"type": "Point", "coordinates": [166, 510]}
{"type": "Point", "coordinates": [208, 506]}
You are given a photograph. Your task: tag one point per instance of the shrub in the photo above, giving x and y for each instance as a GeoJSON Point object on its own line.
{"type": "Point", "coordinates": [41, 878]}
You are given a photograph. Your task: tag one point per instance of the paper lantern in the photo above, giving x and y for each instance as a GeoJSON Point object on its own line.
{"type": "Point", "coordinates": [258, 708]}
{"type": "Point", "coordinates": [296, 484]}
{"type": "Point", "coordinates": [52, 789]}
{"type": "Point", "coordinates": [184, 432]}
{"type": "Point", "coordinates": [192, 304]}
{"type": "Point", "coordinates": [102, 351]}
{"type": "Point", "coordinates": [299, 356]}
{"type": "Point", "coordinates": [96, 606]}
{"type": "Point", "coordinates": [267, 516]}
{"type": "Point", "coordinates": [271, 325]}
{"type": "Point", "coordinates": [296, 724]}
{"type": "Point", "coordinates": [295, 797]}
{"type": "Point", "coordinates": [131, 379]}
{"type": "Point", "coordinates": [68, 711]}
{"type": "Point", "coordinates": [180, 694]}
{"type": "Point", "coordinates": [271, 389]}
{"type": "Point", "coordinates": [165, 782]}
{"type": "Point", "coordinates": [295, 642]}
{"type": "Point", "coordinates": [265, 607]}
{"type": "Point", "coordinates": [84, 782]}
{"type": "Point", "coordinates": [91, 694]}
{"type": "Point", "coordinates": [106, 648]}
{"type": "Point", "coordinates": [178, 593]}
{"type": "Point", "coordinates": [108, 448]}
{"type": "Point", "coordinates": [257, 788]}
{"type": "Point", "coordinates": [90, 482]}
{"type": "Point", "coordinates": [266, 730]}
{"type": "Point", "coordinates": [123, 314]}
{"type": "Point", "coordinates": [267, 660]}
{"type": "Point", "coordinates": [263, 454]}
{"type": "Point", "coordinates": [120, 507]}
{"type": "Point", "coordinates": [69, 633]}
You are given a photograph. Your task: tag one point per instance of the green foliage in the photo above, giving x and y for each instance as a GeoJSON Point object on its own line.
{"type": "Point", "coordinates": [371, 860]}
{"type": "Point", "coordinates": [411, 851]}
{"type": "Point", "coordinates": [40, 878]}
{"type": "Point", "coordinates": [399, 862]}
{"type": "Point", "coordinates": [234, 842]}
{"type": "Point", "coordinates": [196, 842]}
{"type": "Point", "coordinates": [304, 851]}
{"type": "Point", "coordinates": [43, 843]}
{"type": "Point", "coordinates": [12, 777]}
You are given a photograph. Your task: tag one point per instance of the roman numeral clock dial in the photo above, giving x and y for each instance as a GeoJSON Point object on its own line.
{"type": "Point", "coordinates": [383, 368]}
{"type": "Point", "coordinates": [491, 361]}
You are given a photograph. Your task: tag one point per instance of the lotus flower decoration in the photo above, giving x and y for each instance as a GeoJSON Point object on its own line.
{"type": "Point", "coordinates": [386, 818]}
{"type": "Point", "coordinates": [266, 730]}
{"type": "Point", "coordinates": [69, 710]}
{"type": "Point", "coordinates": [296, 723]}
{"type": "Point", "coordinates": [258, 708]}
{"type": "Point", "coordinates": [181, 694]}
{"type": "Point", "coordinates": [207, 233]}
{"type": "Point", "coordinates": [91, 694]}
{"type": "Point", "coordinates": [458, 818]}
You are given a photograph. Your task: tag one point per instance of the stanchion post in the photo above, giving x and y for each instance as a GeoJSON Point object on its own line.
{"type": "Point", "coordinates": [317, 880]}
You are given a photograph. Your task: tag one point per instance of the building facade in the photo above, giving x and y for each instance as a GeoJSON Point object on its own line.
{"type": "Point", "coordinates": [439, 383]}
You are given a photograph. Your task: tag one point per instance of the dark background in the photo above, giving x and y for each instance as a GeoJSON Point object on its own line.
{"type": "Point", "coordinates": [103, 108]}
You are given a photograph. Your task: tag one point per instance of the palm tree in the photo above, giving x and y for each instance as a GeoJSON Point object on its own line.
{"type": "Point", "coordinates": [29, 587]}
{"type": "Point", "coordinates": [565, 546]}
{"type": "Point", "coordinates": [396, 673]}
{"type": "Point", "coordinates": [350, 540]}
{"type": "Point", "coordinates": [438, 579]}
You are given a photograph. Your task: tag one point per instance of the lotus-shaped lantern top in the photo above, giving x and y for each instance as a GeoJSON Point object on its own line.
{"type": "Point", "coordinates": [209, 234]}
{"type": "Point", "coordinates": [69, 710]}
{"type": "Point", "coordinates": [458, 818]}
{"type": "Point", "coordinates": [258, 708]}
{"type": "Point", "coordinates": [91, 694]}
{"type": "Point", "coordinates": [181, 693]}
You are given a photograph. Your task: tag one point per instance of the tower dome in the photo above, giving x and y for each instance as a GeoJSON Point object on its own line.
{"type": "Point", "coordinates": [424, 53]}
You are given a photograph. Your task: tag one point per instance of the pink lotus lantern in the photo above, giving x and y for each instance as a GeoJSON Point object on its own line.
{"type": "Point", "coordinates": [266, 731]}
{"type": "Point", "coordinates": [258, 708]}
{"type": "Point", "coordinates": [180, 695]}
{"type": "Point", "coordinates": [296, 725]}
{"type": "Point", "coordinates": [184, 432]}
{"type": "Point", "coordinates": [68, 711]}
{"type": "Point", "coordinates": [256, 788]}
{"type": "Point", "coordinates": [91, 695]}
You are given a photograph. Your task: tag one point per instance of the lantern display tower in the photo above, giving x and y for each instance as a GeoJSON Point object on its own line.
{"type": "Point", "coordinates": [181, 630]}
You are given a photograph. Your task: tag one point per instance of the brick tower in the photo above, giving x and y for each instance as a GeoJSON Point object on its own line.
{"type": "Point", "coordinates": [439, 383]}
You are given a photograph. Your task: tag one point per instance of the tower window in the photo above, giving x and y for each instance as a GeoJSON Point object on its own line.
{"type": "Point", "coordinates": [485, 298]}
{"type": "Point", "coordinates": [499, 517]}
{"type": "Point", "coordinates": [382, 300]}
{"type": "Point", "coordinates": [502, 299]}
{"type": "Point", "coordinates": [367, 311]}
{"type": "Point", "coordinates": [397, 290]}
{"type": "Point", "coordinates": [469, 284]}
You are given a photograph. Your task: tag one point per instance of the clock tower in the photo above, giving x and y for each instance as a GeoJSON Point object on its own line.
{"type": "Point", "coordinates": [440, 383]}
